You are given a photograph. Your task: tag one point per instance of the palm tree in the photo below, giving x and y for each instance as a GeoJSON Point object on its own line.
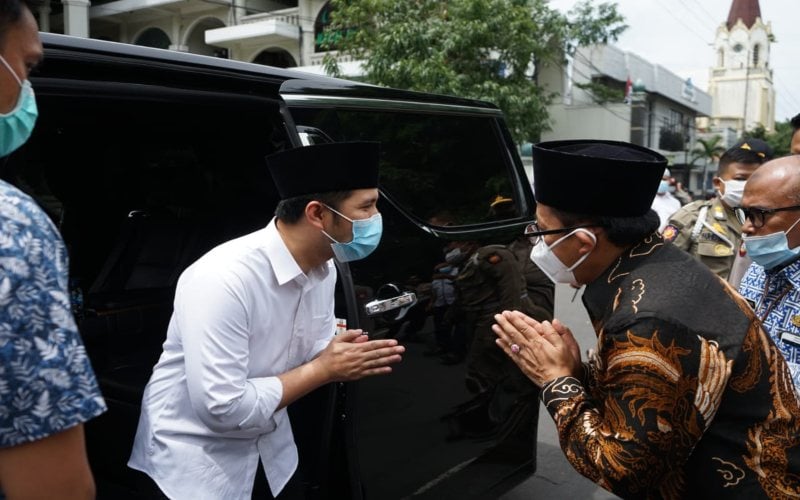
{"type": "Point", "coordinates": [709, 150]}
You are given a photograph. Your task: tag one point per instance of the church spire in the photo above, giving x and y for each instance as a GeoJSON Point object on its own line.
{"type": "Point", "coordinates": [746, 10]}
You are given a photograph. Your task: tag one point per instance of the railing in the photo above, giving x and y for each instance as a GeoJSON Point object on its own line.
{"type": "Point", "coordinates": [288, 16]}
{"type": "Point", "coordinates": [318, 57]}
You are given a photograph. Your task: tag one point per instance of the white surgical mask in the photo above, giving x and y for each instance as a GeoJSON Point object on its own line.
{"type": "Point", "coordinates": [734, 190]}
{"type": "Point", "coordinates": [542, 255]}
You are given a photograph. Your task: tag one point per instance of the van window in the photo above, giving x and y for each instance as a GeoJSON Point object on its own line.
{"type": "Point", "coordinates": [440, 169]}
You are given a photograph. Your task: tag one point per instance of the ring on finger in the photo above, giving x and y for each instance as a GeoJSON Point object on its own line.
{"type": "Point", "coordinates": [514, 348]}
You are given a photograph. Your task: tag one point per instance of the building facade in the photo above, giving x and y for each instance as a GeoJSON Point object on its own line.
{"type": "Point", "coordinates": [604, 92]}
{"type": "Point", "coordinates": [740, 83]}
{"type": "Point", "coordinates": [282, 33]}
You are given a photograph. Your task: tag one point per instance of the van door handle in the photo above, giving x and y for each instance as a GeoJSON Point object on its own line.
{"type": "Point", "coordinates": [380, 306]}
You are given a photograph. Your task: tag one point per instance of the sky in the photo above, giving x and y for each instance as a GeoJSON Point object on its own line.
{"type": "Point", "coordinates": [679, 35]}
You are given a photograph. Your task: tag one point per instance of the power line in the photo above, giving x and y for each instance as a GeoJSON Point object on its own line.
{"type": "Point", "coordinates": [788, 94]}
{"type": "Point", "coordinates": [669, 11]}
{"type": "Point", "coordinates": [710, 16]}
{"type": "Point", "coordinates": [694, 15]}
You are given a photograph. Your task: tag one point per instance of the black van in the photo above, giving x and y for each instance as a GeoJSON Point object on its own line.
{"type": "Point", "coordinates": [146, 159]}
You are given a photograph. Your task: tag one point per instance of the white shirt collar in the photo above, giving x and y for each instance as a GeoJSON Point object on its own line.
{"type": "Point", "coordinates": [283, 263]}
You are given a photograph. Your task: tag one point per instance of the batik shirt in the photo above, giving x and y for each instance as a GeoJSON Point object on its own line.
{"type": "Point", "coordinates": [46, 382]}
{"type": "Point", "coordinates": [686, 396]}
{"type": "Point", "coordinates": [775, 295]}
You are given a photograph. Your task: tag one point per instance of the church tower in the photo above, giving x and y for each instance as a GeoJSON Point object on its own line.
{"type": "Point", "coordinates": [742, 94]}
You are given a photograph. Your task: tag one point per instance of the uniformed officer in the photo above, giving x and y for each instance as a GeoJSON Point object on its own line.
{"type": "Point", "coordinates": [708, 229]}
{"type": "Point", "coordinates": [493, 278]}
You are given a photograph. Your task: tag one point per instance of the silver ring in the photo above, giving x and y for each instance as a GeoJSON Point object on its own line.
{"type": "Point", "coordinates": [514, 348]}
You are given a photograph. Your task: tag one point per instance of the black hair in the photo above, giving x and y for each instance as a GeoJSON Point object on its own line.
{"type": "Point", "coordinates": [621, 231]}
{"type": "Point", "coordinates": [795, 122]}
{"type": "Point", "coordinates": [739, 155]}
{"type": "Point", "coordinates": [11, 13]}
{"type": "Point", "coordinates": [291, 210]}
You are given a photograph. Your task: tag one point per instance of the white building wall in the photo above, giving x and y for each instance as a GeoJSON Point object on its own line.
{"type": "Point", "coordinates": [611, 122]}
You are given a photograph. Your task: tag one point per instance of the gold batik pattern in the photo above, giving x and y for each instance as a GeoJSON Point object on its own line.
{"type": "Point", "coordinates": [651, 414]}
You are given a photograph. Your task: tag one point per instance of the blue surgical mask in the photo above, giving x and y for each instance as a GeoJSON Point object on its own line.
{"type": "Point", "coordinates": [771, 250]}
{"type": "Point", "coordinates": [366, 236]}
{"type": "Point", "coordinates": [17, 125]}
{"type": "Point", "coordinates": [663, 187]}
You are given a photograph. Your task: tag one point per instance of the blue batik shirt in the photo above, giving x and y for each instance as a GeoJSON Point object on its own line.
{"type": "Point", "coordinates": [775, 296]}
{"type": "Point", "coordinates": [46, 382]}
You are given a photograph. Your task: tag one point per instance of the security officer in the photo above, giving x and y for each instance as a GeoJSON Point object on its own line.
{"type": "Point", "coordinates": [708, 229]}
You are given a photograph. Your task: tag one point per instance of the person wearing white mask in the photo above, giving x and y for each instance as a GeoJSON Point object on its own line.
{"type": "Point", "coordinates": [664, 203]}
{"type": "Point", "coordinates": [708, 229]}
{"type": "Point", "coordinates": [770, 214]}
{"type": "Point", "coordinates": [684, 395]}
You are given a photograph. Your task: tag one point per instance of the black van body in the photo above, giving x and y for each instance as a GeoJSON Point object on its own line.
{"type": "Point", "coordinates": [146, 159]}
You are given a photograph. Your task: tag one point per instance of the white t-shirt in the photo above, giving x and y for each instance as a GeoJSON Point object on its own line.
{"type": "Point", "coordinates": [665, 205]}
{"type": "Point", "coordinates": [244, 313]}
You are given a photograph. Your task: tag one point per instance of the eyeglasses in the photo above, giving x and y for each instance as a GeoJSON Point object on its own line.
{"type": "Point", "coordinates": [757, 215]}
{"type": "Point", "coordinates": [535, 233]}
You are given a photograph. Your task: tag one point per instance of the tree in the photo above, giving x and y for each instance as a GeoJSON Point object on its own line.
{"type": "Point", "coordinates": [480, 49]}
{"type": "Point", "coordinates": [780, 139]}
{"type": "Point", "coordinates": [708, 149]}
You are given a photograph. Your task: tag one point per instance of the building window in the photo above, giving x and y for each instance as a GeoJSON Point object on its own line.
{"type": "Point", "coordinates": [153, 37]}
{"type": "Point", "coordinates": [673, 131]}
{"type": "Point", "coordinates": [756, 54]}
{"type": "Point", "coordinates": [321, 35]}
{"type": "Point", "coordinates": [720, 58]}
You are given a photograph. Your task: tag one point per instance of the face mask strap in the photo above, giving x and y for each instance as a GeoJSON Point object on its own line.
{"type": "Point", "coordinates": [8, 67]}
{"type": "Point", "coordinates": [586, 255]}
{"type": "Point", "coordinates": [340, 214]}
{"type": "Point", "coordinates": [558, 241]}
{"type": "Point", "coordinates": [791, 227]}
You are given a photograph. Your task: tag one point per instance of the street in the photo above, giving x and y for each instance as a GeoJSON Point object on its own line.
{"type": "Point", "coordinates": [555, 477]}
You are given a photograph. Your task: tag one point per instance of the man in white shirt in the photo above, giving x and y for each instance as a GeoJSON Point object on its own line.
{"type": "Point", "coordinates": [664, 203]}
{"type": "Point", "coordinates": [253, 330]}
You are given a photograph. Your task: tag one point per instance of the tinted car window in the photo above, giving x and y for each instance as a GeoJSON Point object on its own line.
{"type": "Point", "coordinates": [442, 169]}
{"type": "Point", "coordinates": [420, 432]}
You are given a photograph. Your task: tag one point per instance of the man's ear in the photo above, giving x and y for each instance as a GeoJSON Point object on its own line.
{"type": "Point", "coordinates": [315, 214]}
{"type": "Point", "coordinates": [587, 243]}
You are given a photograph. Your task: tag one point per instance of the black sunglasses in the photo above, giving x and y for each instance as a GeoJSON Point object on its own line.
{"type": "Point", "coordinates": [535, 234]}
{"type": "Point", "coordinates": [757, 215]}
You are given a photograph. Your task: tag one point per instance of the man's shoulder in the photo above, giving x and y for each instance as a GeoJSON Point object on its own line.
{"type": "Point", "coordinates": [493, 255]}
{"type": "Point", "coordinates": [688, 213]}
{"type": "Point", "coordinates": [20, 209]}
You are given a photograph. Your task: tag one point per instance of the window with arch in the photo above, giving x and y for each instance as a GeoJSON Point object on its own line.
{"type": "Point", "coordinates": [153, 37]}
{"type": "Point", "coordinates": [321, 36]}
{"type": "Point", "coordinates": [326, 39]}
{"type": "Point", "coordinates": [756, 54]}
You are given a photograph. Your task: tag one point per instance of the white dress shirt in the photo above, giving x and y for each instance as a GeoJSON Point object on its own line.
{"type": "Point", "coordinates": [244, 313]}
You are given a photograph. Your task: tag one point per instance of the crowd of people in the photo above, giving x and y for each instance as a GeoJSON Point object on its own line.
{"type": "Point", "coordinates": [692, 390]}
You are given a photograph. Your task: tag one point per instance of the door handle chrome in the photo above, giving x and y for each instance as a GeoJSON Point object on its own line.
{"type": "Point", "coordinates": [380, 306]}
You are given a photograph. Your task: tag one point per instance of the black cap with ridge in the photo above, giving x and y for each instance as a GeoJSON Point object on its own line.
{"type": "Point", "coordinates": [323, 168]}
{"type": "Point", "coordinates": [756, 146]}
{"type": "Point", "coordinates": [591, 177]}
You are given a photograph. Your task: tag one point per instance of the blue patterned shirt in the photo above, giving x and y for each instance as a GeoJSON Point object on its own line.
{"type": "Point", "coordinates": [46, 382]}
{"type": "Point", "coordinates": [775, 296]}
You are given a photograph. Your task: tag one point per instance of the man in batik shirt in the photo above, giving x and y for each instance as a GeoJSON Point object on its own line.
{"type": "Point", "coordinates": [770, 213]}
{"type": "Point", "coordinates": [686, 396]}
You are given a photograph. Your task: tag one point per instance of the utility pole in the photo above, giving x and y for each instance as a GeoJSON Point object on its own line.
{"type": "Point", "coordinates": [746, 90]}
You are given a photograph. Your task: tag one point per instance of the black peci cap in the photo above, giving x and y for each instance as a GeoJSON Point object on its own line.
{"type": "Point", "coordinates": [758, 147]}
{"type": "Point", "coordinates": [591, 177]}
{"type": "Point", "coordinates": [323, 168]}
